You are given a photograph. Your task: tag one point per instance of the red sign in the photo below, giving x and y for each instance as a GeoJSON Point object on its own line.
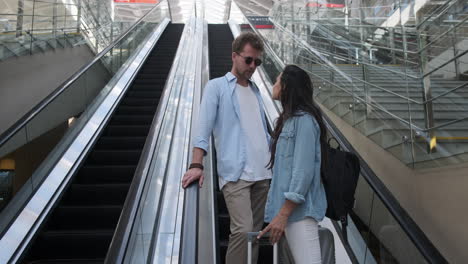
{"type": "Point", "coordinates": [247, 26]}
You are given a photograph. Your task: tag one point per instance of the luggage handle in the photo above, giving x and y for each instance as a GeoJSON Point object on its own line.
{"type": "Point", "coordinates": [251, 237]}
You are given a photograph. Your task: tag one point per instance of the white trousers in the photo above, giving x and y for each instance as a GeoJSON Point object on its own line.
{"type": "Point", "coordinates": [303, 240]}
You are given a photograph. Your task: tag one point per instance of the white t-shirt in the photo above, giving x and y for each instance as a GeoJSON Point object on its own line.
{"type": "Point", "coordinates": [257, 150]}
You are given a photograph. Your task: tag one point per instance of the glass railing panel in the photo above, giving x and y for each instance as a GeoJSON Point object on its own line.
{"type": "Point", "coordinates": [373, 233]}
{"type": "Point", "coordinates": [359, 221]}
{"type": "Point", "coordinates": [39, 25]}
{"type": "Point", "coordinates": [388, 242]}
{"type": "Point", "coordinates": [40, 142]}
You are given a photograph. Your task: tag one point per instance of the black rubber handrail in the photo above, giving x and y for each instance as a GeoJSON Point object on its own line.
{"type": "Point", "coordinates": [188, 250]}
{"type": "Point", "coordinates": [23, 121]}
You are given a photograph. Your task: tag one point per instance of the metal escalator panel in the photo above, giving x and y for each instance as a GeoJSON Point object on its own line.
{"type": "Point", "coordinates": [81, 226]}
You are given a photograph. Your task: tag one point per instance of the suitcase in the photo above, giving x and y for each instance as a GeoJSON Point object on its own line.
{"type": "Point", "coordinates": [251, 237]}
{"type": "Point", "coordinates": [327, 247]}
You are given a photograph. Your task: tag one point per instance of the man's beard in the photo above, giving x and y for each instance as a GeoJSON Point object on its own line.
{"type": "Point", "coordinates": [246, 74]}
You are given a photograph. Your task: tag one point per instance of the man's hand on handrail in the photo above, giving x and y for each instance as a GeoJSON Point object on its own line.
{"type": "Point", "coordinates": [191, 176]}
{"type": "Point", "coordinates": [196, 173]}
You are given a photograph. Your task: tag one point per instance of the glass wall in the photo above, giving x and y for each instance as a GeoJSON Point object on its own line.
{"type": "Point", "coordinates": [32, 26]}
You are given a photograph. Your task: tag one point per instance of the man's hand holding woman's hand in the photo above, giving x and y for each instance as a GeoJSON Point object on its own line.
{"type": "Point", "coordinates": [192, 175]}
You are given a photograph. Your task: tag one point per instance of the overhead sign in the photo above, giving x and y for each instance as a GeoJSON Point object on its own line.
{"type": "Point", "coordinates": [260, 22]}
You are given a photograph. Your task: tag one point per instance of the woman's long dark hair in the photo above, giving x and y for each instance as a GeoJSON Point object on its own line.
{"type": "Point", "coordinates": [297, 95]}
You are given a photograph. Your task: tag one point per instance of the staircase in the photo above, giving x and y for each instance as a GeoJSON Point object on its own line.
{"type": "Point", "coordinates": [81, 226]}
{"type": "Point", "coordinates": [387, 131]}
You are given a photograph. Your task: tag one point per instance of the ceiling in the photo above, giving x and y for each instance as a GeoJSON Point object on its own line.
{"type": "Point", "coordinates": [216, 11]}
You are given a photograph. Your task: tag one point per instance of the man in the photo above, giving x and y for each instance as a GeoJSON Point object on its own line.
{"type": "Point", "coordinates": [232, 110]}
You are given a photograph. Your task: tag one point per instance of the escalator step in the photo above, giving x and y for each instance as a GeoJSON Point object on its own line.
{"type": "Point", "coordinates": [96, 194]}
{"type": "Point", "coordinates": [84, 217]}
{"type": "Point", "coordinates": [143, 120]}
{"type": "Point", "coordinates": [224, 224]}
{"type": "Point", "coordinates": [151, 76]}
{"type": "Point", "coordinates": [139, 101]}
{"type": "Point", "coordinates": [156, 87]}
{"type": "Point", "coordinates": [120, 143]}
{"type": "Point", "coordinates": [87, 244]}
{"type": "Point", "coordinates": [113, 157]}
{"type": "Point", "coordinates": [127, 131]}
{"type": "Point", "coordinates": [143, 94]}
{"type": "Point", "coordinates": [105, 174]}
{"type": "Point", "coordinates": [156, 78]}
{"type": "Point", "coordinates": [136, 110]}
{"type": "Point", "coordinates": [222, 208]}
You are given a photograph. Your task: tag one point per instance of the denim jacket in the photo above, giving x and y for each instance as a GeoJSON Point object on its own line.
{"type": "Point", "coordinates": [296, 172]}
{"type": "Point", "coordinates": [219, 114]}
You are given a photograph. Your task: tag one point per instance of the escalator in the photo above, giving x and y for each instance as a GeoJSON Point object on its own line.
{"type": "Point", "coordinates": [81, 226]}
{"type": "Point", "coordinates": [220, 46]}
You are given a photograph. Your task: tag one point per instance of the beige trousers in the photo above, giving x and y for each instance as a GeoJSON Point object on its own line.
{"type": "Point", "coordinates": [245, 202]}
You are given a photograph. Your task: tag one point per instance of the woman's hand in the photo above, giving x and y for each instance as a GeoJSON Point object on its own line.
{"type": "Point", "coordinates": [276, 228]}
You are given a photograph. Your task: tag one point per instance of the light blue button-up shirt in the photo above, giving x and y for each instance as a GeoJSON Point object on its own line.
{"type": "Point", "coordinates": [219, 115]}
{"type": "Point", "coordinates": [296, 172]}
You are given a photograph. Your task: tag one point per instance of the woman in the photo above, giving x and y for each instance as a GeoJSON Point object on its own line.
{"type": "Point", "coordinates": [296, 200]}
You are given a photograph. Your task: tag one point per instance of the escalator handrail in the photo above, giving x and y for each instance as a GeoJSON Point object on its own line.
{"type": "Point", "coordinates": [23, 121]}
{"type": "Point", "coordinates": [189, 235]}
{"type": "Point", "coordinates": [411, 229]}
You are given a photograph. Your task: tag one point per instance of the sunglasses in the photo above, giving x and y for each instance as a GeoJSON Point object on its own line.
{"type": "Point", "coordinates": [248, 60]}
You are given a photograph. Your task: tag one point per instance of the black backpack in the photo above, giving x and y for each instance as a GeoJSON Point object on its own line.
{"type": "Point", "coordinates": [340, 174]}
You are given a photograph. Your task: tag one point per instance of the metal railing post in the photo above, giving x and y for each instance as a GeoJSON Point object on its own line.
{"type": "Point", "coordinates": [78, 19]}
{"type": "Point", "coordinates": [455, 53]}
{"type": "Point", "coordinates": [366, 88]}
{"type": "Point", "coordinates": [32, 28]}
{"type": "Point", "coordinates": [427, 92]}
{"type": "Point", "coordinates": [391, 33]}
{"type": "Point", "coordinates": [19, 18]}
{"type": "Point", "coordinates": [54, 22]}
